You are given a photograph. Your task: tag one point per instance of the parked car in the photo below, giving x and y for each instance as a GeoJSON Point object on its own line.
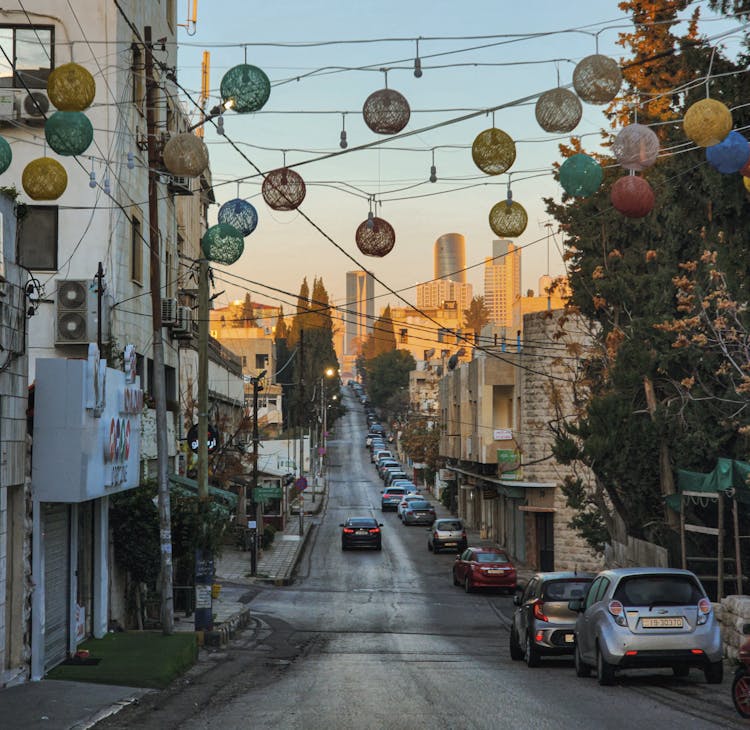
{"type": "Point", "coordinates": [484, 567]}
{"type": "Point", "coordinates": [406, 484]}
{"type": "Point", "coordinates": [385, 464]}
{"type": "Point", "coordinates": [391, 474]}
{"type": "Point", "coordinates": [361, 532]}
{"type": "Point", "coordinates": [380, 454]}
{"type": "Point", "coordinates": [418, 512]}
{"type": "Point", "coordinates": [405, 501]}
{"type": "Point", "coordinates": [447, 532]}
{"type": "Point", "coordinates": [543, 624]}
{"type": "Point", "coordinates": [646, 617]}
{"type": "Point", "coordinates": [390, 498]}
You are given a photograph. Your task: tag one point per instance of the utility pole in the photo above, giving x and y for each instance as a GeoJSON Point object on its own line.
{"type": "Point", "coordinates": [256, 440]}
{"type": "Point", "coordinates": [158, 385]}
{"type": "Point", "coordinates": [99, 276]}
{"type": "Point", "coordinates": [300, 421]}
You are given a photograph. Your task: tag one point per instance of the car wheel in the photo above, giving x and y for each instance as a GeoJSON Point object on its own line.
{"type": "Point", "coordinates": [516, 652]}
{"type": "Point", "coordinates": [605, 672]}
{"type": "Point", "coordinates": [681, 671]}
{"type": "Point", "coordinates": [455, 580]}
{"type": "Point", "coordinates": [378, 547]}
{"type": "Point", "coordinates": [531, 652]}
{"type": "Point", "coordinates": [467, 585]}
{"type": "Point", "coordinates": [430, 548]}
{"type": "Point", "coordinates": [714, 672]}
{"type": "Point", "coordinates": [582, 669]}
{"type": "Point", "coordinates": [741, 692]}
{"type": "Point", "coordinates": [344, 547]}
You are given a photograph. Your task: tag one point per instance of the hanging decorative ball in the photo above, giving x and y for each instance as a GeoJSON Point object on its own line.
{"type": "Point", "coordinates": [375, 237]}
{"type": "Point", "coordinates": [245, 88]}
{"type": "Point", "coordinates": [730, 155]}
{"type": "Point", "coordinates": [68, 133]}
{"type": "Point", "coordinates": [222, 243]}
{"type": "Point", "coordinates": [581, 175]}
{"type": "Point", "coordinates": [508, 219]}
{"type": "Point", "coordinates": [6, 155]}
{"type": "Point", "coordinates": [597, 79]}
{"type": "Point", "coordinates": [493, 151]}
{"type": "Point", "coordinates": [632, 196]}
{"type": "Point", "coordinates": [386, 111]}
{"type": "Point", "coordinates": [283, 189]}
{"type": "Point", "coordinates": [707, 122]}
{"type": "Point", "coordinates": [185, 155]}
{"type": "Point", "coordinates": [558, 110]}
{"type": "Point", "coordinates": [745, 171]}
{"type": "Point", "coordinates": [636, 147]}
{"type": "Point", "coordinates": [240, 214]}
{"type": "Point", "coordinates": [44, 179]}
{"type": "Point", "coordinates": [746, 183]}
{"type": "Point", "coordinates": [71, 88]}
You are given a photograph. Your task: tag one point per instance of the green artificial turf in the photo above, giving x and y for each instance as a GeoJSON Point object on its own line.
{"type": "Point", "coordinates": [133, 659]}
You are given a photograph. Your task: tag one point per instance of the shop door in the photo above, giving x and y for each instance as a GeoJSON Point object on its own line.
{"type": "Point", "coordinates": [56, 532]}
{"type": "Point", "coordinates": [545, 538]}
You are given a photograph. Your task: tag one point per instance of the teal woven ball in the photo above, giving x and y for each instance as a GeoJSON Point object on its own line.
{"type": "Point", "coordinates": [580, 175]}
{"type": "Point", "coordinates": [6, 155]}
{"type": "Point", "coordinates": [245, 88]}
{"type": "Point", "coordinates": [68, 133]}
{"type": "Point", "coordinates": [222, 243]}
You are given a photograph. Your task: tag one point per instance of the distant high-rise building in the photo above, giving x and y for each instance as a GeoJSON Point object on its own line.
{"type": "Point", "coordinates": [358, 310]}
{"type": "Point", "coordinates": [434, 294]}
{"type": "Point", "coordinates": [502, 282]}
{"type": "Point", "coordinates": [450, 257]}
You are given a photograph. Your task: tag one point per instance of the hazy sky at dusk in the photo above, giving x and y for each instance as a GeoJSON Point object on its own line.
{"type": "Point", "coordinates": [304, 116]}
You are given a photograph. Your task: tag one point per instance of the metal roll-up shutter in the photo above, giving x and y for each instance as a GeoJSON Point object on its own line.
{"type": "Point", "coordinates": [56, 531]}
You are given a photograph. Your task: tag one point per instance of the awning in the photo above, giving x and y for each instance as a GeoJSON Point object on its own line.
{"type": "Point", "coordinates": [507, 483]}
{"type": "Point", "coordinates": [190, 484]}
{"type": "Point", "coordinates": [729, 476]}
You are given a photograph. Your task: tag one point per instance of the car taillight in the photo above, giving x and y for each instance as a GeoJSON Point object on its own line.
{"type": "Point", "coordinates": [618, 612]}
{"type": "Point", "coordinates": [435, 534]}
{"type": "Point", "coordinates": [463, 534]}
{"type": "Point", "coordinates": [704, 610]}
{"type": "Point", "coordinates": [539, 610]}
{"type": "Point", "coordinates": [348, 530]}
{"type": "Point", "coordinates": [374, 530]}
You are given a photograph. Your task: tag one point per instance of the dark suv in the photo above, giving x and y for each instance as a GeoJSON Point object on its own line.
{"type": "Point", "coordinates": [543, 623]}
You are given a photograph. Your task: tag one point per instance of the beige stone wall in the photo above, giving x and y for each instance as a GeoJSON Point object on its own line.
{"type": "Point", "coordinates": [543, 381]}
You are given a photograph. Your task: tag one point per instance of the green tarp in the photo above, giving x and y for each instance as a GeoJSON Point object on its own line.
{"type": "Point", "coordinates": [728, 474]}
{"type": "Point", "coordinates": [191, 485]}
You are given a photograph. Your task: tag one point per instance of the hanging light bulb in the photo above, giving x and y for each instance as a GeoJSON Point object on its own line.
{"type": "Point", "coordinates": [342, 137]}
{"type": "Point", "coordinates": [92, 179]}
{"type": "Point", "coordinates": [106, 185]}
{"type": "Point", "coordinates": [220, 125]}
{"type": "Point", "coordinates": [418, 64]}
{"type": "Point", "coordinates": [370, 220]}
{"type": "Point", "coordinates": [433, 169]}
{"type": "Point", "coordinates": [131, 161]}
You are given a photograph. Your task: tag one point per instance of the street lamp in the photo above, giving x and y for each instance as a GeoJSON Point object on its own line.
{"type": "Point", "coordinates": [329, 373]}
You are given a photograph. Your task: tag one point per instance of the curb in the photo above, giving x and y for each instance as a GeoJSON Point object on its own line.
{"type": "Point", "coordinates": [222, 633]}
{"type": "Point", "coordinates": [287, 577]}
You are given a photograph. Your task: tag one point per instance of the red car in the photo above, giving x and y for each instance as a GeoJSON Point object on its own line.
{"type": "Point", "coordinates": [484, 567]}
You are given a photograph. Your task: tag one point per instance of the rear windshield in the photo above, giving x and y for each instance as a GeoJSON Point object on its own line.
{"type": "Point", "coordinates": [417, 504]}
{"type": "Point", "coordinates": [658, 590]}
{"type": "Point", "coordinates": [492, 558]}
{"type": "Point", "coordinates": [565, 590]}
{"type": "Point", "coordinates": [395, 490]}
{"type": "Point", "coordinates": [449, 525]}
{"type": "Point", "coordinates": [361, 522]}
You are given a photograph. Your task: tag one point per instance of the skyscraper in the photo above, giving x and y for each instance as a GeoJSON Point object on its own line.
{"type": "Point", "coordinates": [502, 282]}
{"type": "Point", "coordinates": [359, 309]}
{"type": "Point", "coordinates": [450, 257]}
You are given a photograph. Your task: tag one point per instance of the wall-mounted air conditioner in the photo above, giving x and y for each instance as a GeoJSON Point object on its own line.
{"type": "Point", "coordinates": [76, 316]}
{"type": "Point", "coordinates": [183, 327]}
{"type": "Point", "coordinates": [168, 312]}
{"type": "Point", "coordinates": [34, 107]}
{"type": "Point", "coordinates": [179, 185]}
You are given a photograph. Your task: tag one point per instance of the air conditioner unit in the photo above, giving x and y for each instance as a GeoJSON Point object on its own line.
{"type": "Point", "coordinates": [168, 311]}
{"type": "Point", "coordinates": [179, 185]}
{"type": "Point", "coordinates": [34, 107]}
{"type": "Point", "coordinates": [184, 325]}
{"type": "Point", "coordinates": [76, 316]}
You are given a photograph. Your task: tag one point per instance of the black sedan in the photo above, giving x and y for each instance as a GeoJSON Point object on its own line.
{"type": "Point", "coordinates": [361, 532]}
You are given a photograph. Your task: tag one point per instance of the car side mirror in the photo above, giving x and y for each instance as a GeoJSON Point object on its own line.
{"type": "Point", "coordinates": [341, 524]}
{"type": "Point", "coordinates": [576, 605]}
{"type": "Point", "coordinates": [380, 524]}
{"type": "Point", "coordinates": [517, 599]}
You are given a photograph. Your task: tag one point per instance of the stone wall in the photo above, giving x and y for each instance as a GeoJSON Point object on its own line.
{"type": "Point", "coordinates": [547, 367]}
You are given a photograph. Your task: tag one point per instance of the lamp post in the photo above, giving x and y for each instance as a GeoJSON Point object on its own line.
{"type": "Point", "coordinates": [323, 440]}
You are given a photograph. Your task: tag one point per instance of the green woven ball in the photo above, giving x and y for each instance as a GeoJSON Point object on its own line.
{"type": "Point", "coordinates": [581, 175]}
{"type": "Point", "coordinates": [245, 88]}
{"type": "Point", "coordinates": [68, 133]}
{"type": "Point", "coordinates": [222, 243]}
{"type": "Point", "coordinates": [6, 155]}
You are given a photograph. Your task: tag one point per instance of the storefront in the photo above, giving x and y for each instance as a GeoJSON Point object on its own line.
{"type": "Point", "coordinates": [87, 435]}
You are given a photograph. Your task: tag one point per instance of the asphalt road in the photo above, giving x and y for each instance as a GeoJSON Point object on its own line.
{"type": "Point", "coordinates": [384, 640]}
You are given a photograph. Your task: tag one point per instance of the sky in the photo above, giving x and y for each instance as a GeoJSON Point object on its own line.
{"type": "Point", "coordinates": [324, 59]}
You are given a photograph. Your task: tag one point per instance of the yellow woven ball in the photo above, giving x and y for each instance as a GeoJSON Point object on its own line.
{"type": "Point", "coordinates": [707, 122]}
{"type": "Point", "coordinates": [44, 179]}
{"type": "Point", "coordinates": [508, 219]}
{"type": "Point", "coordinates": [746, 183]}
{"type": "Point", "coordinates": [71, 88]}
{"type": "Point", "coordinates": [493, 151]}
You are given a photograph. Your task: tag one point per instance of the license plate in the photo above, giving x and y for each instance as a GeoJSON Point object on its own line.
{"type": "Point", "coordinates": [662, 623]}
{"type": "Point", "coordinates": [450, 544]}
{"type": "Point", "coordinates": [569, 638]}
{"type": "Point", "coordinates": [361, 532]}
{"type": "Point", "coordinates": [495, 571]}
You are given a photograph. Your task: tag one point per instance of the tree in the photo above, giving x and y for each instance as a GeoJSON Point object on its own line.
{"type": "Point", "coordinates": [387, 373]}
{"type": "Point", "coordinates": [476, 316]}
{"type": "Point", "coordinates": [631, 425]}
{"type": "Point", "coordinates": [382, 338]}
{"type": "Point", "coordinates": [248, 313]}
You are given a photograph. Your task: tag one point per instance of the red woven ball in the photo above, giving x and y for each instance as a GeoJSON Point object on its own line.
{"type": "Point", "coordinates": [632, 196]}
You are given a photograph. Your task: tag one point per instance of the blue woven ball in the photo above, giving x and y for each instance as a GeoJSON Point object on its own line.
{"type": "Point", "coordinates": [730, 155]}
{"type": "Point", "coordinates": [240, 214]}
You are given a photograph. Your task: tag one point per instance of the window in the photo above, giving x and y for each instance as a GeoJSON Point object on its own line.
{"type": "Point", "coordinates": [136, 249]}
{"type": "Point", "coordinates": [244, 361]}
{"type": "Point", "coordinates": [138, 70]}
{"type": "Point", "coordinates": [591, 595]}
{"type": "Point", "coordinates": [27, 56]}
{"type": "Point", "coordinates": [404, 336]}
{"type": "Point", "coordinates": [261, 362]}
{"type": "Point", "coordinates": [37, 238]}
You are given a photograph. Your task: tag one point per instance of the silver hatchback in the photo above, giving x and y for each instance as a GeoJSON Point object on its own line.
{"type": "Point", "coordinates": [646, 617]}
{"type": "Point", "coordinates": [447, 532]}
